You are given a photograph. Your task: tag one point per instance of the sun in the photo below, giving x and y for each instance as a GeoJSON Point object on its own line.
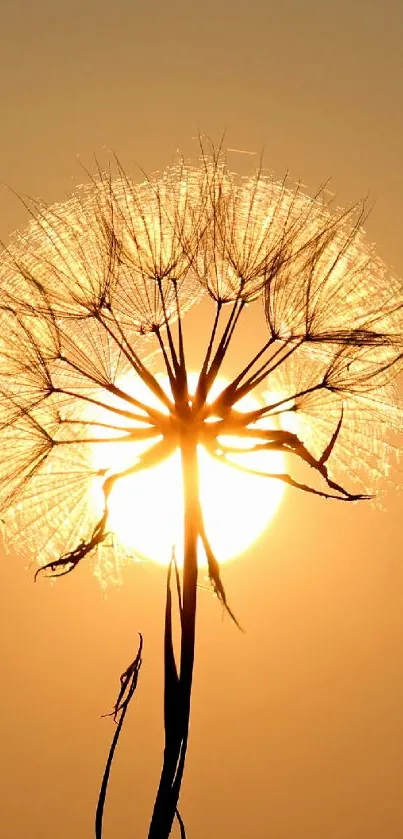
{"type": "Point", "coordinates": [145, 511]}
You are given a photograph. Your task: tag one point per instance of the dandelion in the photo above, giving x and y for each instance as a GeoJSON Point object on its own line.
{"type": "Point", "coordinates": [97, 289]}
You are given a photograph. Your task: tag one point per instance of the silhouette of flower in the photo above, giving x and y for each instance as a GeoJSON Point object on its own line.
{"type": "Point", "coordinates": [98, 286]}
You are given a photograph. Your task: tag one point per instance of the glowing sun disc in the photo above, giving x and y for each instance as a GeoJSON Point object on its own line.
{"type": "Point", "coordinates": [146, 510]}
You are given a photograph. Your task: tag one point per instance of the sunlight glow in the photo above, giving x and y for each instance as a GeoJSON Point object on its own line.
{"type": "Point", "coordinates": [146, 510]}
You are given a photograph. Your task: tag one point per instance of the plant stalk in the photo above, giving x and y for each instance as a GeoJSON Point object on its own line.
{"type": "Point", "coordinates": [178, 686]}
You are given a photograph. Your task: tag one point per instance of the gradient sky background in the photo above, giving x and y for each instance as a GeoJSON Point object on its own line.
{"type": "Point", "coordinates": [297, 725]}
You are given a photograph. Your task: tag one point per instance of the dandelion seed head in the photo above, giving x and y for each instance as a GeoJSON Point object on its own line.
{"type": "Point", "coordinates": [98, 283]}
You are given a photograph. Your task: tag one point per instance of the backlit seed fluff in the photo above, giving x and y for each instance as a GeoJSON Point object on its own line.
{"type": "Point", "coordinates": [98, 285]}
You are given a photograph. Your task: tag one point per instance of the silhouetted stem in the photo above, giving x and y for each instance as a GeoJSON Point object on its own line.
{"type": "Point", "coordinates": [178, 690]}
{"type": "Point", "coordinates": [128, 684]}
{"type": "Point", "coordinates": [188, 627]}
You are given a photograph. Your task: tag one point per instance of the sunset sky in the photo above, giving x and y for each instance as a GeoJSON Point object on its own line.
{"type": "Point", "coordinates": [297, 723]}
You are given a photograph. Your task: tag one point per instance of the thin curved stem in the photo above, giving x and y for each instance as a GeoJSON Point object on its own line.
{"type": "Point", "coordinates": [128, 684]}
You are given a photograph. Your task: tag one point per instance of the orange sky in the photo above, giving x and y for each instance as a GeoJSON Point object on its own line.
{"type": "Point", "coordinates": [297, 724]}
